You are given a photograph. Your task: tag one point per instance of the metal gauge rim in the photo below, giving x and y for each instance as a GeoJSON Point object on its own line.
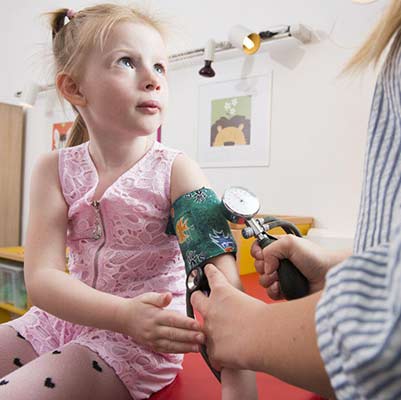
{"type": "Point", "coordinates": [193, 280]}
{"type": "Point", "coordinates": [253, 205]}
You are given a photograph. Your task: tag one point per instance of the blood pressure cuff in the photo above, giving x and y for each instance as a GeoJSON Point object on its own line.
{"type": "Point", "coordinates": [201, 229]}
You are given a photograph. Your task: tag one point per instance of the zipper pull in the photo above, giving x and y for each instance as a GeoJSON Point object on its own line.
{"type": "Point", "coordinates": [98, 229]}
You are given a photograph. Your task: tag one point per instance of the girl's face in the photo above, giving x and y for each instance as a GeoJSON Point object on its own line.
{"type": "Point", "coordinates": [125, 85]}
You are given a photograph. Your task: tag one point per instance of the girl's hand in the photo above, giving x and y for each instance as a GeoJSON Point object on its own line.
{"type": "Point", "coordinates": [148, 323]}
{"type": "Point", "coordinates": [312, 260]}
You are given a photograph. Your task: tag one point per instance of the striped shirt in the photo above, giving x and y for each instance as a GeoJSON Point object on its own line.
{"type": "Point", "coordinates": [358, 317]}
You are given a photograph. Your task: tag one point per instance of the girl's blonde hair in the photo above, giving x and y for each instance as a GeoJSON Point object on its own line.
{"type": "Point", "coordinates": [75, 33]}
{"type": "Point", "coordinates": [386, 29]}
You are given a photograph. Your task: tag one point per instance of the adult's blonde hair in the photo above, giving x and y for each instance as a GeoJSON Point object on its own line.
{"type": "Point", "coordinates": [387, 28]}
{"type": "Point", "coordinates": [75, 33]}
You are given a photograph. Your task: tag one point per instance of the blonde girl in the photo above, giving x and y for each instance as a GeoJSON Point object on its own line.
{"type": "Point", "coordinates": [114, 327]}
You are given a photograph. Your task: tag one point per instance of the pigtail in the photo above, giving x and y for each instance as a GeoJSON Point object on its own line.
{"type": "Point", "coordinates": [79, 132]}
{"type": "Point", "coordinates": [57, 20]}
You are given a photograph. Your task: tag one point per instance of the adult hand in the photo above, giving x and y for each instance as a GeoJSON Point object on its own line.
{"type": "Point", "coordinates": [148, 323]}
{"type": "Point", "coordinates": [229, 321]}
{"type": "Point", "coordinates": [312, 260]}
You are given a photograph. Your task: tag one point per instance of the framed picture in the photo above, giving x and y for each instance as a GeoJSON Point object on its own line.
{"type": "Point", "coordinates": [60, 132]}
{"type": "Point", "coordinates": [234, 122]}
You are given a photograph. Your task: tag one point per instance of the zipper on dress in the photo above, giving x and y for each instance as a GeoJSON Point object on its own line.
{"type": "Point", "coordinates": [98, 232]}
{"type": "Point", "coordinates": [98, 228]}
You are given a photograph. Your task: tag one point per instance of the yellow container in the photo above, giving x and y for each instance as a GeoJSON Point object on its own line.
{"type": "Point", "coordinates": [245, 262]}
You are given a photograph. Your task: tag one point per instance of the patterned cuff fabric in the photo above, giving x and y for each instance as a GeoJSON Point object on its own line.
{"type": "Point", "coordinates": [201, 228]}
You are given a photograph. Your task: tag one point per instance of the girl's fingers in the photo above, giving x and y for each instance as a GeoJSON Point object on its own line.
{"type": "Point", "coordinates": [180, 335]}
{"type": "Point", "coordinates": [167, 346]}
{"type": "Point", "coordinates": [174, 319]}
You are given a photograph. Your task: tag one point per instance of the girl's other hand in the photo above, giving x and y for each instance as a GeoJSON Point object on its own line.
{"type": "Point", "coordinates": [148, 323]}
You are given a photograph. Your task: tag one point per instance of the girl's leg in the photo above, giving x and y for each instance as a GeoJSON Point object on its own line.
{"type": "Point", "coordinates": [73, 372]}
{"type": "Point", "coordinates": [15, 351]}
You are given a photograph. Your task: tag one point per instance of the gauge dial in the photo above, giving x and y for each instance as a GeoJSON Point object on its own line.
{"type": "Point", "coordinates": [240, 202]}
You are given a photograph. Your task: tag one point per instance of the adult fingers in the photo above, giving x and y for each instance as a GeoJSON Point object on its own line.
{"type": "Point", "coordinates": [267, 280]}
{"type": "Point", "coordinates": [276, 251]}
{"type": "Point", "coordinates": [256, 251]}
{"type": "Point", "coordinates": [281, 248]}
{"type": "Point", "coordinates": [260, 266]}
{"type": "Point", "coordinates": [274, 291]}
{"type": "Point", "coordinates": [270, 282]}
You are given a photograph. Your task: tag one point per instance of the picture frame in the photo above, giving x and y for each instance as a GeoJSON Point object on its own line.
{"type": "Point", "coordinates": [234, 122]}
{"type": "Point", "coordinates": [60, 134]}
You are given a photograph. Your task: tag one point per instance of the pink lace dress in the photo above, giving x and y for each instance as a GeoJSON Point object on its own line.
{"type": "Point", "coordinates": [117, 246]}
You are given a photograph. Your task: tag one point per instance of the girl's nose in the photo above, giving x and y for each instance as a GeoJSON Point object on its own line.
{"type": "Point", "coordinates": [152, 86]}
{"type": "Point", "coordinates": [151, 82]}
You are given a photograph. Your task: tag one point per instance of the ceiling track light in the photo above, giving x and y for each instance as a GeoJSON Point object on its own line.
{"type": "Point", "coordinates": [207, 70]}
{"type": "Point", "coordinates": [298, 31]}
{"type": "Point", "coordinates": [29, 94]}
{"type": "Point", "coordinates": [244, 39]}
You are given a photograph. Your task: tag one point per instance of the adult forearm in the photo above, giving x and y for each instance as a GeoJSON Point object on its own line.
{"type": "Point", "coordinates": [339, 256]}
{"type": "Point", "coordinates": [70, 299]}
{"type": "Point", "coordinates": [284, 344]}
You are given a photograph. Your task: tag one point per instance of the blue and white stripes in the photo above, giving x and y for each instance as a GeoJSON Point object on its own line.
{"type": "Point", "coordinates": [359, 315]}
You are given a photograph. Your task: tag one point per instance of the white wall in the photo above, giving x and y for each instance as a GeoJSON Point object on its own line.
{"type": "Point", "coordinates": [318, 125]}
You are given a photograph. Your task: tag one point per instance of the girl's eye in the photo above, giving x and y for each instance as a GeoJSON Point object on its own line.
{"type": "Point", "coordinates": [126, 62]}
{"type": "Point", "coordinates": [160, 68]}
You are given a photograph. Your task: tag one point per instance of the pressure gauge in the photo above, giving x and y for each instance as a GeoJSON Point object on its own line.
{"type": "Point", "coordinates": [239, 204]}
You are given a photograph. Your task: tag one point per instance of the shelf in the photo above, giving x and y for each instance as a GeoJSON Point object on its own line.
{"type": "Point", "coordinates": [12, 253]}
{"type": "Point", "coordinates": [13, 309]}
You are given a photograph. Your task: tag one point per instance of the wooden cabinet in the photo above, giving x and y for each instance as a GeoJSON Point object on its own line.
{"type": "Point", "coordinates": [14, 255]}
{"type": "Point", "coordinates": [11, 173]}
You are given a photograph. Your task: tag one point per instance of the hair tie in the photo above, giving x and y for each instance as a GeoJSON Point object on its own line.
{"type": "Point", "coordinates": [70, 13]}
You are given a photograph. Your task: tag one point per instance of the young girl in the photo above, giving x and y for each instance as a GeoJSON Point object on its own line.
{"type": "Point", "coordinates": [344, 341]}
{"type": "Point", "coordinates": [103, 331]}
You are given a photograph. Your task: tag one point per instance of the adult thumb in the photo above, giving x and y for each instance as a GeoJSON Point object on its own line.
{"type": "Point", "coordinates": [214, 276]}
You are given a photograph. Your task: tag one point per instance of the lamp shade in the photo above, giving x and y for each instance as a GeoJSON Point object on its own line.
{"type": "Point", "coordinates": [210, 49]}
{"type": "Point", "coordinates": [29, 94]}
{"type": "Point", "coordinates": [244, 39]}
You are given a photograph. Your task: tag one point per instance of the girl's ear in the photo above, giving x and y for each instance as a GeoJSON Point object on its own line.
{"type": "Point", "coordinates": [70, 90]}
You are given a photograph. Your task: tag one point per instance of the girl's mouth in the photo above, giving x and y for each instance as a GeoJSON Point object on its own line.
{"type": "Point", "coordinates": [149, 107]}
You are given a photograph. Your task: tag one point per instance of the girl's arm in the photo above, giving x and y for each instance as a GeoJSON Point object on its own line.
{"type": "Point", "coordinates": [56, 292]}
{"type": "Point", "coordinates": [48, 285]}
{"type": "Point", "coordinates": [186, 177]}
